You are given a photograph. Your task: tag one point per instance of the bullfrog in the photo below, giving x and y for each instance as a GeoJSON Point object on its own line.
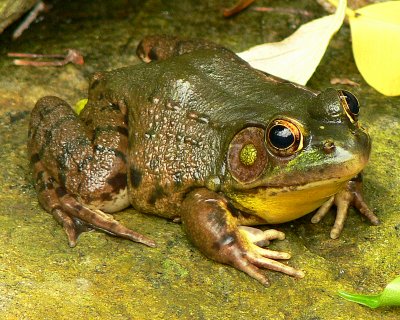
{"type": "Point", "coordinates": [197, 136]}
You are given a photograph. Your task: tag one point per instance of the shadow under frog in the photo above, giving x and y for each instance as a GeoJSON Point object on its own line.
{"type": "Point", "coordinates": [196, 134]}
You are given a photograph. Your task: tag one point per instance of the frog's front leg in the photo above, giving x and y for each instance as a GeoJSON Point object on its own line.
{"type": "Point", "coordinates": [351, 194]}
{"type": "Point", "coordinates": [79, 166]}
{"type": "Point", "coordinates": [213, 229]}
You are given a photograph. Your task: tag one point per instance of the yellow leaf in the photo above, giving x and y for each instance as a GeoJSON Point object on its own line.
{"type": "Point", "coordinates": [375, 31]}
{"type": "Point", "coordinates": [80, 105]}
{"type": "Point", "coordinates": [296, 57]}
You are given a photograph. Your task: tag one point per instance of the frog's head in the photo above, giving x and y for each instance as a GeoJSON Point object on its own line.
{"type": "Point", "coordinates": [288, 166]}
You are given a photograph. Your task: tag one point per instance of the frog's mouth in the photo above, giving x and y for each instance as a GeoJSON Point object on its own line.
{"type": "Point", "coordinates": [278, 205]}
{"type": "Point", "coordinates": [298, 189]}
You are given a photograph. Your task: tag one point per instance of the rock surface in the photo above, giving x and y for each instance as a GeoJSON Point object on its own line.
{"type": "Point", "coordinates": [109, 278]}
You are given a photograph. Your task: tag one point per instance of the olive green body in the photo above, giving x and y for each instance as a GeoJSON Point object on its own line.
{"type": "Point", "coordinates": [202, 138]}
{"type": "Point", "coordinates": [184, 112]}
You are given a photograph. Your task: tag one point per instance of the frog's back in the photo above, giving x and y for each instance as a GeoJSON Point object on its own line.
{"type": "Point", "coordinates": [183, 112]}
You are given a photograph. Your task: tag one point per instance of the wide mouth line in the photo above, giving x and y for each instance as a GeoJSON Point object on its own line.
{"type": "Point", "coordinates": [292, 186]}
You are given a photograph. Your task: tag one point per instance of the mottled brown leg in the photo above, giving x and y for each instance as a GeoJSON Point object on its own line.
{"type": "Point", "coordinates": [350, 195]}
{"type": "Point", "coordinates": [65, 156]}
{"type": "Point", "coordinates": [212, 228]}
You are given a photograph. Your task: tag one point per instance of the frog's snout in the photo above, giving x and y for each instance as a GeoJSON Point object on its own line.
{"type": "Point", "coordinates": [328, 146]}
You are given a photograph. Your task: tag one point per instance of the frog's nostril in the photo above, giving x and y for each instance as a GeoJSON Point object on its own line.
{"type": "Point", "coordinates": [329, 147]}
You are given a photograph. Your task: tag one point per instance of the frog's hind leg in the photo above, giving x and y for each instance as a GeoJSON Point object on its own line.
{"type": "Point", "coordinates": [65, 156]}
{"type": "Point", "coordinates": [154, 48]}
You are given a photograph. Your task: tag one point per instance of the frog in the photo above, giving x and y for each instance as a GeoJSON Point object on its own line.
{"type": "Point", "coordinates": [195, 135]}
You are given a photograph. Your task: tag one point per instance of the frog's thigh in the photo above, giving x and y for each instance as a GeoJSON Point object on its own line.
{"type": "Point", "coordinates": [88, 161]}
{"type": "Point", "coordinates": [72, 173]}
{"type": "Point", "coordinates": [212, 228]}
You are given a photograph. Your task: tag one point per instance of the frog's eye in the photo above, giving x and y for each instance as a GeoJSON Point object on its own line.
{"type": "Point", "coordinates": [350, 105]}
{"type": "Point", "coordinates": [284, 137]}
{"type": "Point", "coordinates": [247, 154]}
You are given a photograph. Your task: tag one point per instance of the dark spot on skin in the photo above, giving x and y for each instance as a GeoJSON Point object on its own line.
{"type": "Point", "coordinates": [358, 178]}
{"type": "Point", "coordinates": [49, 185]}
{"type": "Point", "coordinates": [35, 158]}
{"type": "Point", "coordinates": [62, 160]}
{"type": "Point", "coordinates": [48, 135]}
{"type": "Point", "coordinates": [120, 129]}
{"type": "Point", "coordinates": [62, 178]}
{"type": "Point", "coordinates": [227, 240]}
{"type": "Point", "coordinates": [118, 182]}
{"type": "Point", "coordinates": [60, 191]}
{"type": "Point", "coordinates": [78, 207]}
{"type": "Point", "coordinates": [157, 193]}
{"type": "Point", "coordinates": [42, 185]}
{"type": "Point", "coordinates": [44, 111]}
{"type": "Point", "coordinates": [116, 152]}
{"type": "Point", "coordinates": [106, 196]}
{"type": "Point", "coordinates": [235, 212]}
{"type": "Point", "coordinates": [40, 175]}
{"type": "Point", "coordinates": [135, 177]}
{"type": "Point", "coordinates": [82, 164]}
{"type": "Point", "coordinates": [217, 220]}
{"type": "Point", "coordinates": [153, 54]}
{"type": "Point", "coordinates": [94, 84]}
{"type": "Point", "coordinates": [61, 122]}
{"type": "Point", "coordinates": [115, 107]}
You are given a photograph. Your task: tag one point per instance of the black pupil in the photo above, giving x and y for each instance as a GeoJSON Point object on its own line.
{"type": "Point", "coordinates": [281, 137]}
{"type": "Point", "coordinates": [351, 102]}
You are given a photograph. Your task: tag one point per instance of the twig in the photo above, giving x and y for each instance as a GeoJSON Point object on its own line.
{"type": "Point", "coordinates": [72, 56]}
{"type": "Point", "coordinates": [240, 6]}
{"type": "Point", "coordinates": [283, 10]}
{"type": "Point", "coordinates": [39, 7]}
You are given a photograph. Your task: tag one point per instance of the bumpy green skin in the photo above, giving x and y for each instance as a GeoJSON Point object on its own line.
{"type": "Point", "coordinates": [184, 112]}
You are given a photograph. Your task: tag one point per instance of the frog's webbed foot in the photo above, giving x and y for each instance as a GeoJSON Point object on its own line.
{"type": "Point", "coordinates": [212, 228]}
{"type": "Point", "coordinates": [350, 195]}
{"type": "Point", "coordinates": [75, 217]}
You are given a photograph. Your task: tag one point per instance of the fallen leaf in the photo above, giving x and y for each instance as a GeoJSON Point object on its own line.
{"type": "Point", "coordinates": [375, 32]}
{"type": "Point", "coordinates": [390, 296]}
{"type": "Point", "coordinates": [80, 105]}
{"type": "Point", "coordinates": [296, 57]}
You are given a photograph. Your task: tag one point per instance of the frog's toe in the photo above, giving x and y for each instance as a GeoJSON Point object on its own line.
{"type": "Point", "coordinates": [251, 259]}
{"type": "Point", "coordinates": [73, 227]}
{"type": "Point", "coordinates": [259, 237]}
{"type": "Point", "coordinates": [323, 210]}
{"type": "Point", "coordinates": [351, 195]}
{"type": "Point", "coordinates": [362, 207]}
